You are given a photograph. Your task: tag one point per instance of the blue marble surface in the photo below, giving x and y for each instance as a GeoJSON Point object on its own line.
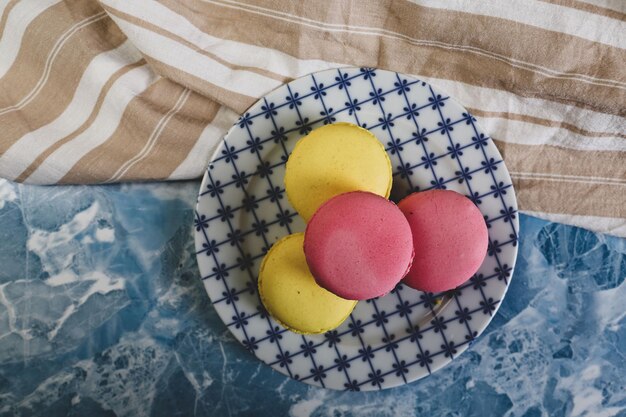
{"type": "Point", "coordinates": [102, 314]}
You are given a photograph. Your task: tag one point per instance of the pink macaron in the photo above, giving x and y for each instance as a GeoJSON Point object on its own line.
{"type": "Point", "coordinates": [450, 239]}
{"type": "Point", "coordinates": [358, 245]}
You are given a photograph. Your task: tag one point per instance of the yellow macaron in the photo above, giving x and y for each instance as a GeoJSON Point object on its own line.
{"type": "Point", "coordinates": [332, 160]}
{"type": "Point", "coordinates": [291, 295]}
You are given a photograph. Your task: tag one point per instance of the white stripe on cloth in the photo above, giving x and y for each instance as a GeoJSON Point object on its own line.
{"type": "Point", "coordinates": [576, 179]}
{"type": "Point", "coordinates": [237, 53]}
{"type": "Point", "coordinates": [25, 150]}
{"type": "Point", "coordinates": [515, 131]}
{"type": "Point", "coordinates": [495, 100]}
{"type": "Point", "coordinates": [471, 96]}
{"type": "Point", "coordinates": [542, 15]}
{"type": "Point", "coordinates": [198, 158]}
{"type": "Point", "coordinates": [383, 33]}
{"type": "Point", "coordinates": [154, 137]}
{"type": "Point", "coordinates": [609, 225]}
{"type": "Point", "coordinates": [185, 59]}
{"type": "Point", "coordinates": [51, 57]}
{"type": "Point", "coordinates": [127, 87]}
{"type": "Point", "coordinates": [18, 21]}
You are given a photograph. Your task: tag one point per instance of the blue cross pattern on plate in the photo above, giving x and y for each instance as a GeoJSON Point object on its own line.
{"type": "Point", "coordinates": [242, 210]}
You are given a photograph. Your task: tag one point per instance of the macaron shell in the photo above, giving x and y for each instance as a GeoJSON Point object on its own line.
{"type": "Point", "coordinates": [450, 238]}
{"type": "Point", "coordinates": [332, 160]}
{"type": "Point", "coordinates": [358, 245]}
{"type": "Point", "coordinates": [291, 295]}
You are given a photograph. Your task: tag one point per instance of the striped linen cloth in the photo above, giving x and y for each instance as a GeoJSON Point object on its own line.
{"type": "Point", "coordinates": [118, 90]}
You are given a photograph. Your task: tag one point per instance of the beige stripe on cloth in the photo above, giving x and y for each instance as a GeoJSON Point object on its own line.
{"type": "Point", "coordinates": [138, 125]}
{"type": "Point", "coordinates": [554, 97]}
{"type": "Point", "coordinates": [168, 152]}
{"type": "Point", "coordinates": [54, 30]}
{"type": "Point", "coordinates": [94, 113]}
{"type": "Point", "coordinates": [379, 36]}
{"type": "Point", "coordinates": [43, 99]}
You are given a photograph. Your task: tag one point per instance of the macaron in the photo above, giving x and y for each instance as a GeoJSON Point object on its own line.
{"type": "Point", "coordinates": [450, 239]}
{"type": "Point", "coordinates": [332, 160]}
{"type": "Point", "coordinates": [358, 245]}
{"type": "Point", "coordinates": [291, 295]}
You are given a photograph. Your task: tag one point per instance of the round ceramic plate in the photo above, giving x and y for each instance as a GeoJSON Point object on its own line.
{"type": "Point", "coordinates": [242, 210]}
